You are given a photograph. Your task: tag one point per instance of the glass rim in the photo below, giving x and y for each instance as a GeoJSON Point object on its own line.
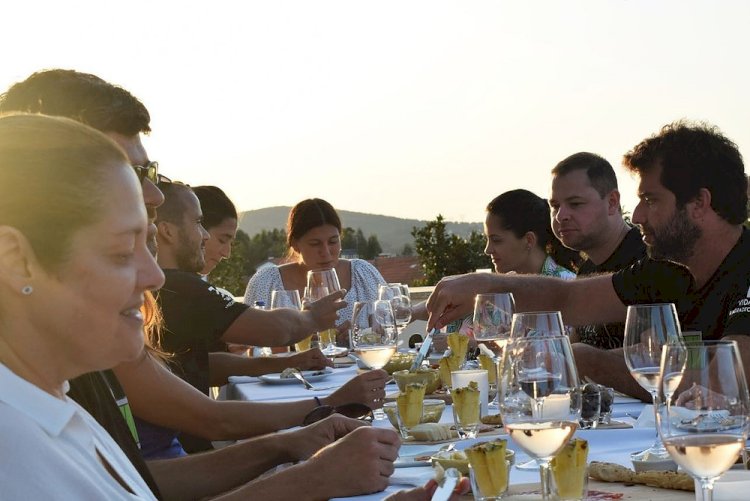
{"type": "Point", "coordinates": [651, 305]}
{"type": "Point", "coordinates": [541, 312]}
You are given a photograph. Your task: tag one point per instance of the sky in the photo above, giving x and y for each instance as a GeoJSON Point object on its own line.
{"type": "Point", "coordinates": [402, 108]}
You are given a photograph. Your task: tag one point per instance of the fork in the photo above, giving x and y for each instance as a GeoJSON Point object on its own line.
{"type": "Point", "coordinates": [298, 375]}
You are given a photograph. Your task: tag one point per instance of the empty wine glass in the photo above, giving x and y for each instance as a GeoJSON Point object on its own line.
{"type": "Point", "coordinates": [536, 324]}
{"type": "Point", "coordinates": [704, 422]}
{"type": "Point", "coordinates": [648, 328]}
{"type": "Point", "coordinates": [493, 314]}
{"type": "Point", "coordinates": [328, 280]}
{"type": "Point", "coordinates": [285, 299]}
{"type": "Point", "coordinates": [400, 302]}
{"type": "Point", "coordinates": [373, 335]}
{"type": "Point", "coordinates": [540, 398]}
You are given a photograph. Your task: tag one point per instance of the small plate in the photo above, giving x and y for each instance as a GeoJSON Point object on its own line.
{"type": "Point", "coordinates": [311, 376]}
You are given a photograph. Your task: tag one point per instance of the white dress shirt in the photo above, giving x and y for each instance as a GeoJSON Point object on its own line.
{"type": "Point", "coordinates": [48, 449]}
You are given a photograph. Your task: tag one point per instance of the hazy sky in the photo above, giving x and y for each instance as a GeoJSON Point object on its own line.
{"type": "Point", "coordinates": [401, 108]}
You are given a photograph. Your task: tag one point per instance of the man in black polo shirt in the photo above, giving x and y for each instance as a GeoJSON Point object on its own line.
{"type": "Point", "coordinates": [693, 203]}
{"type": "Point", "coordinates": [587, 217]}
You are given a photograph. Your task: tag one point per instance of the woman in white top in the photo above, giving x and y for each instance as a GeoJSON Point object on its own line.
{"type": "Point", "coordinates": [314, 240]}
{"type": "Point", "coordinates": [74, 267]}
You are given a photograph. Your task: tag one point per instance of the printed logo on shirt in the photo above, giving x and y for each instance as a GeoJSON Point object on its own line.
{"type": "Point", "coordinates": [742, 306]}
{"type": "Point", "coordinates": [223, 294]}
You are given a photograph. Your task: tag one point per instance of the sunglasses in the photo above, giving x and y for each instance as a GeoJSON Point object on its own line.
{"type": "Point", "coordinates": [353, 410]}
{"type": "Point", "coordinates": [149, 171]}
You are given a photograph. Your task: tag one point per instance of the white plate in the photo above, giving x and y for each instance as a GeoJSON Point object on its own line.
{"type": "Point", "coordinates": [311, 376]}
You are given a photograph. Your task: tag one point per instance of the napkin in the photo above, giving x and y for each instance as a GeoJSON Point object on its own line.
{"type": "Point", "coordinates": [243, 379]}
{"type": "Point", "coordinates": [732, 486]}
{"type": "Point", "coordinates": [646, 419]}
{"type": "Point", "coordinates": [411, 477]}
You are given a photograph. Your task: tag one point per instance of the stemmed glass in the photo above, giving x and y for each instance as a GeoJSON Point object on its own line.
{"type": "Point", "coordinates": [540, 398]}
{"type": "Point", "coordinates": [373, 334]}
{"type": "Point", "coordinates": [491, 323]}
{"type": "Point", "coordinates": [537, 324]}
{"type": "Point", "coordinates": [398, 295]}
{"type": "Point", "coordinates": [287, 299]}
{"type": "Point", "coordinates": [648, 328]}
{"type": "Point", "coordinates": [318, 282]}
{"type": "Point", "coordinates": [704, 422]}
{"type": "Point", "coordinates": [533, 324]}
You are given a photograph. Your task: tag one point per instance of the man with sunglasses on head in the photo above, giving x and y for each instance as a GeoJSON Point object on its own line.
{"type": "Point", "coordinates": [369, 452]}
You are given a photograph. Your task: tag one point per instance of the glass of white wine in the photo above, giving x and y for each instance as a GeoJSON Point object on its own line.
{"type": "Point", "coordinates": [648, 328]}
{"type": "Point", "coordinates": [398, 295]}
{"type": "Point", "coordinates": [373, 335]}
{"type": "Point", "coordinates": [705, 420]}
{"type": "Point", "coordinates": [540, 397]}
{"type": "Point", "coordinates": [318, 281]}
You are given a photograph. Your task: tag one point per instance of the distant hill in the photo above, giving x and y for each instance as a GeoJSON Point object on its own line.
{"type": "Point", "coordinates": [392, 232]}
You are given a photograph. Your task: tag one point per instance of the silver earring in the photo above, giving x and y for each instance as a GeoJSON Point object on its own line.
{"type": "Point", "coordinates": [26, 290]}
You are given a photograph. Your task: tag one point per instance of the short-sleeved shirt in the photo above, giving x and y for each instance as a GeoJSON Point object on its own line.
{"type": "Point", "coordinates": [196, 315]}
{"type": "Point", "coordinates": [720, 308]}
{"type": "Point", "coordinates": [365, 282]}
{"type": "Point", "coordinates": [51, 448]}
{"type": "Point", "coordinates": [630, 250]}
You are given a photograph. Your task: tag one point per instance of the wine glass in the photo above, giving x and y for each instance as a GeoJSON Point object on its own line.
{"type": "Point", "coordinates": [310, 295]}
{"type": "Point", "coordinates": [287, 299]}
{"type": "Point", "coordinates": [648, 328]}
{"type": "Point", "coordinates": [537, 324]}
{"type": "Point", "coordinates": [491, 323]}
{"type": "Point", "coordinates": [373, 335]}
{"type": "Point", "coordinates": [540, 398]}
{"type": "Point", "coordinates": [400, 302]}
{"type": "Point", "coordinates": [328, 280]}
{"type": "Point", "coordinates": [704, 422]}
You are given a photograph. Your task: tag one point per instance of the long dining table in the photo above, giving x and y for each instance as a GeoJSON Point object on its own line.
{"type": "Point", "coordinates": [606, 444]}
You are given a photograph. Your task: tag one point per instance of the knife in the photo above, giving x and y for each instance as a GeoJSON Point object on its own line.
{"type": "Point", "coordinates": [423, 351]}
{"type": "Point", "coordinates": [450, 480]}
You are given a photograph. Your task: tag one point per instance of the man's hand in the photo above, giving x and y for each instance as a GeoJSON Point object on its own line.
{"type": "Point", "coordinates": [306, 441]}
{"type": "Point", "coordinates": [367, 388]}
{"type": "Point", "coordinates": [699, 397]}
{"type": "Point", "coordinates": [359, 463]}
{"type": "Point", "coordinates": [325, 311]}
{"type": "Point", "coordinates": [453, 298]}
{"type": "Point", "coordinates": [425, 492]}
{"type": "Point", "coordinates": [312, 359]}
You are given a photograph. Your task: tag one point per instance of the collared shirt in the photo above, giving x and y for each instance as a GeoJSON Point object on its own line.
{"type": "Point", "coordinates": [50, 449]}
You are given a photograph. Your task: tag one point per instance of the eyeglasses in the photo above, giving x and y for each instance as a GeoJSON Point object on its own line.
{"type": "Point", "coordinates": [353, 410]}
{"type": "Point", "coordinates": [149, 171]}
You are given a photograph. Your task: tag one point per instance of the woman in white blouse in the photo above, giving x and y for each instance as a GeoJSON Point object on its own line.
{"type": "Point", "coordinates": [314, 240]}
{"type": "Point", "coordinates": [74, 268]}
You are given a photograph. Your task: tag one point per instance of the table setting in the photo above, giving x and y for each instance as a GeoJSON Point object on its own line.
{"type": "Point", "coordinates": [539, 395]}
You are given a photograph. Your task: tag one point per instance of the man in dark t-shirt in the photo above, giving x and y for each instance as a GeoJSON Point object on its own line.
{"type": "Point", "coordinates": [587, 217]}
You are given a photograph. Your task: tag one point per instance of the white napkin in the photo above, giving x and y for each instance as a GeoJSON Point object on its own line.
{"type": "Point", "coordinates": [732, 486]}
{"type": "Point", "coordinates": [411, 477]}
{"type": "Point", "coordinates": [646, 419]}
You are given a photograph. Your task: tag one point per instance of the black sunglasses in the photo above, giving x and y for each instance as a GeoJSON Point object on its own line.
{"type": "Point", "coordinates": [353, 410]}
{"type": "Point", "coordinates": [149, 171]}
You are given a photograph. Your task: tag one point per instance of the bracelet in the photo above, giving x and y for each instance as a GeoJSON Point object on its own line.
{"type": "Point", "coordinates": [317, 401]}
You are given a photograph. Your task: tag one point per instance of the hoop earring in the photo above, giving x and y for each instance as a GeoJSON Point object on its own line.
{"type": "Point", "coordinates": [26, 290]}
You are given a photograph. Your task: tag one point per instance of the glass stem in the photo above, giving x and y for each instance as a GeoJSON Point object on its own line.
{"type": "Point", "coordinates": [658, 445]}
{"type": "Point", "coordinates": [544, 476]}
{"type": "Point", "coordinates": [707, 490]}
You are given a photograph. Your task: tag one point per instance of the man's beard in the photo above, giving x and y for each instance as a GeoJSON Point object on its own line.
{"type": "Point", "coordinates": [189, 255]}
{"type": "Point", "coordinates": [675, 240]}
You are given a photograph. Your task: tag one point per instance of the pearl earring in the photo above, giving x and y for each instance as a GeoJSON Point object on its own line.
{"type": "Point", "coordinates": [26, 290]}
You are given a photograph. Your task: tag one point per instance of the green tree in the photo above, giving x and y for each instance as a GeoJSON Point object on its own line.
{"type": "Point", "coordinates": [373, 248]}
{"type": "Point", "coordinates": [443, 254]}
{"type": "Point", "coordinates": [365, 247]}
{"type": "Point", "coordinates": [247, 253]}
{"type": "Point", "coordinates": [407, 250]}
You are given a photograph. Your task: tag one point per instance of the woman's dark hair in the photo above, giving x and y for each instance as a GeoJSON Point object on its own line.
{"type": "Point", "coordinates": [521, 211]}
{"type": "Point", "coordinates": [309, 214]}
{"type": "Point", "coordinates": [215, 205]}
